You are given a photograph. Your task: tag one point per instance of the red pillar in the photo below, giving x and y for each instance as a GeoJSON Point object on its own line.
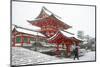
{"type": "Point", "coordinates": [28, 39]}
{"type": "Point", "coordinates": [68, 50]}
{"type": "Point", "coordinates": [57, 50]}
{"type": "Point", "coordinates": [22, 39]}
{"type": "Point", "coordinates": [14, 40]}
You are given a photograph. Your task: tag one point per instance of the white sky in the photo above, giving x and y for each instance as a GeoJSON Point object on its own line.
{"type": "Point", "coordinates": [79, 17]}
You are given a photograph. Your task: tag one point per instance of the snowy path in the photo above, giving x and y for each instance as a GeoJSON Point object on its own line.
{"type": "Point", "coordinates": [22, 56]}
{"type": "Point", "coordinates": [89, 56]}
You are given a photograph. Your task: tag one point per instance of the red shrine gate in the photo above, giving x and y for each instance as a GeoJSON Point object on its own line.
{"type": "Point", "coordinates": [50, 25]}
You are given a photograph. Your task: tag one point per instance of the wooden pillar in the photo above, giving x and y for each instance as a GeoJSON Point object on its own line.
{"type": "Point", "coordinates": [68, 50]}
{"type": "Point", "coordinates": [57, 50]}
{"type": "Point", "coordinates": [22, 39]}
{"type": "Point", "coordinates": [14, 40]}
{"type": "Point", "coordinates": [28, 39]}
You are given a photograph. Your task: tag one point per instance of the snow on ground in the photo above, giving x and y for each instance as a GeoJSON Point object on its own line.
{"type": "Point", "coordinates": [89, 56]}
{"type": "Point", "coordinates": [22, 56]}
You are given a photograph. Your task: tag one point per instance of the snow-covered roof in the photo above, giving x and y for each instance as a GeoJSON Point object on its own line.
{"type": "Point", "coordinates": [69, 35]}
{"type": "Point", "coordinates": [25, 24]}
{"type": "Point", "coordinates": [53, 36]}
{"type": "Point", "coordinates": [13, 26]}
{"type": "Point", "coordinates": [49, 12]}
{"type": "Point", "coordinates": [65, 34]}
{"type": "Point", "coordinates": [45, 13]}
{"type": "Point", "coordinates": [46, 10]}
{"type": "Point", "coordinates": [79, 39]}
{"type": "Point", "coordinates": [59, 18]}
{"type": "Point", "coordinates": [27, 31]}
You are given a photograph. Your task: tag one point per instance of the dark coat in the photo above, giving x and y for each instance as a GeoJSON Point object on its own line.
{"type": "Point", "coordinates": [75, 51]}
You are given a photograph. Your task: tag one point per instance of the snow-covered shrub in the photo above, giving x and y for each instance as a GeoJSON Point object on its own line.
{"type": "Point", "coordinates": [82, 52]}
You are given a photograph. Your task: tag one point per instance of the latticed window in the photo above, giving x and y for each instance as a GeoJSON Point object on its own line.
{"type": "Point", "coordinates": [31, 39]}
{"type": "Point", "coordinates": [18, 39]}
{"type": "Point", "coordinates": [25, 39]}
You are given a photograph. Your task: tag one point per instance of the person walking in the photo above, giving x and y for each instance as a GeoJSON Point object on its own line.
{"type": "Point", "coordinates": [75, 51]}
